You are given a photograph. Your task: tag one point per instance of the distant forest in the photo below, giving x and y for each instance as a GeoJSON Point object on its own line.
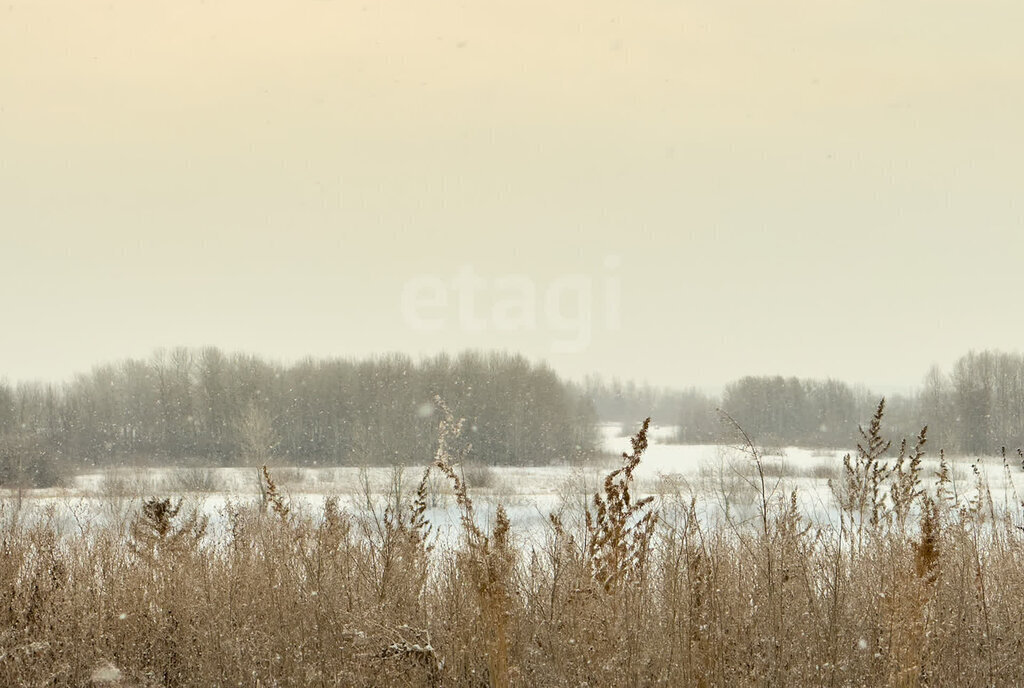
{"type": "Point", "coordinates": [976, 408]}
{"type": "Point", "coordinates": [206, 406]}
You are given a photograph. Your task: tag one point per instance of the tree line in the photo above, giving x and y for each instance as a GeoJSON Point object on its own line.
{"type": "Point", "coordinates": [210, 406]}
{"type": "Point", "coordinates": [775, 410]}
{"type": "Point", "coordinates": [204, 405]}
{"type": "Point", "coordinates": [977, 407]}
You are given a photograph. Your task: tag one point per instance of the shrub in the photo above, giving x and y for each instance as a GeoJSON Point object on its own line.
{"type": "Point", "coordinates": [193, 479]}
{"type": "Point", "coordinates": [478, 475]}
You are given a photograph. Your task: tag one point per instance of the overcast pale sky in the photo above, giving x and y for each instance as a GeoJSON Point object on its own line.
{"type": "Point", "coordinates": [678, 192]}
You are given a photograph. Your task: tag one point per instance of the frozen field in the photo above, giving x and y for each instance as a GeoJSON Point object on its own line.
{"type": "Point", "coordinates": [722, 478]}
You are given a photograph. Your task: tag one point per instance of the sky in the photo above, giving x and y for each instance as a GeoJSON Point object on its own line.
{"type": "Point", "coordinates": [674, 192]}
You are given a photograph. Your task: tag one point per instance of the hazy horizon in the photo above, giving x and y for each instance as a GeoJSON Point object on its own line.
{"type": "Point", "coordinates": [713, 389]}
{"type": "Point", "coordinates": [677, 193]}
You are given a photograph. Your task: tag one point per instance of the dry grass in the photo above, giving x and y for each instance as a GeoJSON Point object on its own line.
{"type": "Point", "coordinates": [910, 588]}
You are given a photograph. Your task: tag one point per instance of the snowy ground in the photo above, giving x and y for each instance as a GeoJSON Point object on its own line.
{"type": "Point", "coordinates": [721, 477]}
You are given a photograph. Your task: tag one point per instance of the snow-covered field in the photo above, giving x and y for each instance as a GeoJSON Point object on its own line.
{"type": "Point", "coordinates": [722, 478]}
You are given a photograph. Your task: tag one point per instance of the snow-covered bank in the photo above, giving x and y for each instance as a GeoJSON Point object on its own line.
{"type": "Point", "coordinates": [720, 477]}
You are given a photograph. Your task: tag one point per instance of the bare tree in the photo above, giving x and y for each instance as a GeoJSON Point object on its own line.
{"type": "Point", "coordinates": [257, 440]}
